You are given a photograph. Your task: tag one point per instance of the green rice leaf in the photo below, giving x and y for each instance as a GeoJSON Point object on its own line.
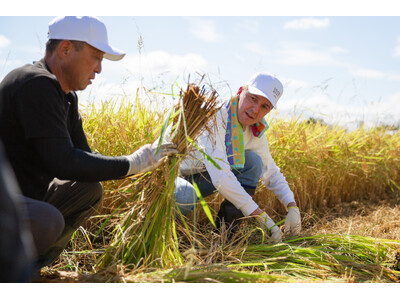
{"type": "Point", "coordinates": [163, 129]}
{"type": "Point", "coordinates": [204, 204]}
{"type": "Point", "coordinates": [210, 160]}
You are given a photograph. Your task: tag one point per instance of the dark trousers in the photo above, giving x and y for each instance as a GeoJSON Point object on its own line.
{"type": "Point", "coordinates": [65, 207]}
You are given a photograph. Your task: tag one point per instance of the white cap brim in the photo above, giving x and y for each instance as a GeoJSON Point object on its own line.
{"type": "Point", "coordinates": [255, 91]}
{"type": "Point", "coordinates": [110, 52]}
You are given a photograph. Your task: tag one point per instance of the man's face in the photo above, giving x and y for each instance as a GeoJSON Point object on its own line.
{"type": "Point", "coordinates": [82, 66]}
{"type": "Point", "coordinates": [252, 108]}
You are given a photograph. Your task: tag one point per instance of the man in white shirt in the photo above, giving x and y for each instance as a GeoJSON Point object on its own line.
{"type": "Point", "coordinates": [239, 146]}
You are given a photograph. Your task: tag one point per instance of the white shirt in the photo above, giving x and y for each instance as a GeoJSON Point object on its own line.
{"type": "Point", "coordinates": [213, 144]}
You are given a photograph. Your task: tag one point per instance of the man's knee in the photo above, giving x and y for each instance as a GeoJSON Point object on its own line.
{"type": "Point", "coordinates": [254, 159]}
{"type": "Point", "coordinates": [95, 191]}
{"type": "Point", "coordinates": [87, 193]}
{"type": "Point", "coordinates": [92, 196]}
{"type": "Point", "coordinates": [46, 223]}
{"type": "Point", "coordinates": [56, 221]}
{"type": "Point", "coordinates": [253, 163]}
{"type": "Point", "coordinates": [185, 195]}
{"type": "Point", "coordinates": [74, 199]}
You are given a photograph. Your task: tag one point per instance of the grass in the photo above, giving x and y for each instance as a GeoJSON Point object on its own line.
{"type": "Point", "coordinates": [346, 184]}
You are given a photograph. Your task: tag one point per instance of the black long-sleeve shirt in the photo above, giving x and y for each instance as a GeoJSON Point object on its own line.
{"type": "Point", "coordinates": [42, 133]}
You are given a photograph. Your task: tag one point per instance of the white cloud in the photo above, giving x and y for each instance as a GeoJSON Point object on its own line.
{"type": "Point", "coordinates": [241, 58]}
{"type": "Point", "coordinates": [306, 105]}
{"type": "Point", "coordinates": [204, 30]}
{"type": "Point", "coordinates": [337, 49]}
{"type": "Point", "coordinates": [348, 115]}
{"type": "Point", "coordinates": [304, 54]}
{"type": "Point", "coordinates": [257, 48]}
{"type": "Point", "coordinates": [393, 105]}
{"type": "Point", "coordinates": [154, 70]}
{"type": "Point", "coordinates": [307, 23]}
{"type": "Point", "coordinates": [396, 52]}
{"type": "Point", "coordinates": [101, 91]}
{"type": "Point", "coordinates": [393, 77]}
{"type": "Point", "coordinates": [250, 25]}
{"type": "Point", "coordinates": [367, 73]}
{"type": "Point", "coordinates": [158, 62]}
{"type": "Point", "coordinates": [4, 42]}
{"type": "Point", "coordinates": [373, 74]}
{"type": "Point", "coordinates": [305, 57]}
{"type": "Point", "coordinates": [294, 83]}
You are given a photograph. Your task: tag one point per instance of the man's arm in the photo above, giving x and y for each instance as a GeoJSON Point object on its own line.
{"type": "Point", "coordinates": [66, 162]}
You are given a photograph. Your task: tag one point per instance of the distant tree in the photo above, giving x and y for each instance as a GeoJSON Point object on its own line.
{"type": "Point", "coordinates": [313, 120]}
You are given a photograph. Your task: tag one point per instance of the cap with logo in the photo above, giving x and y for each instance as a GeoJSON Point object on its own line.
{"type": "Point", "coordinates": [85, 29]}
{"type": "Point", "coordinates": [266, 85]}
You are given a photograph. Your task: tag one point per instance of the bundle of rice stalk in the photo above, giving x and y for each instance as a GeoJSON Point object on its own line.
{"type": "Point", "coordinates": [146, 234]}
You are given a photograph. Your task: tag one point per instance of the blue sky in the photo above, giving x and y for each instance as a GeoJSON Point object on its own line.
{"type": "Point", "coordinates": [344, 69]}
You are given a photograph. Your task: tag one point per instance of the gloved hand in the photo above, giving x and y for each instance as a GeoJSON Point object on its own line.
{"type": "Point", "coordinates": [265, 221]}
{"type": "Point", "coordinates": [146, 158]}
{"type": "Point", "coordinates": [293, 221]}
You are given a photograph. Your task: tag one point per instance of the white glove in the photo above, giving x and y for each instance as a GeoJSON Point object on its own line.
{"type": "Point", "coordinates": [293, 221]}
{"type": "Point", "coordinates": [146, 158]}
{"type": "Point", "coordinates": [265, 221]}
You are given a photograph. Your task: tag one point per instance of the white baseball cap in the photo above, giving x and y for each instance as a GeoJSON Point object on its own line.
{"type": "Point", "coordinates": [85, 29]}
{"type": "Point", "coordinates": [266, 85]}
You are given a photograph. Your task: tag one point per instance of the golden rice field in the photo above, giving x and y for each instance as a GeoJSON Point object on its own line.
{"type": "Point", "coordinates": [346, 183]}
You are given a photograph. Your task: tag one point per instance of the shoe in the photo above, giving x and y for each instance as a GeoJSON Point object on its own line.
{"type": "Point", "coordinates": [230, 216]}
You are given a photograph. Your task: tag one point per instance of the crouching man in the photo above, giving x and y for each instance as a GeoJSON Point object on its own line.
{"type": "Point", "coordinates": [238, 144]}
{"type": "Point", "coordinates": [44, 141]}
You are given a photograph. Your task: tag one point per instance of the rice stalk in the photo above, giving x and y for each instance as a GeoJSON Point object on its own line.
{"type": "Point", "coordinates": [146, 234]}
{"type": "Point", "coordinates": [328, 165]}
{"type": "Point", "coordinates": [320, 258]}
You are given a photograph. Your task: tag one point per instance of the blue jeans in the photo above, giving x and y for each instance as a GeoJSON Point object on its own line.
{"type": "Point", "coordinates": [185, 194]}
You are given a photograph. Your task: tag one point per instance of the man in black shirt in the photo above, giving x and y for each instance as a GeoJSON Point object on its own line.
{"type": "Point", "coordinates": [43, 137]}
